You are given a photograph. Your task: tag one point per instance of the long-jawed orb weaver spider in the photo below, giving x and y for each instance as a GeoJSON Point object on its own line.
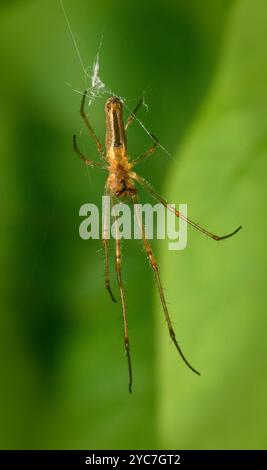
{"type": "Point", "coordinates": [120, 183]}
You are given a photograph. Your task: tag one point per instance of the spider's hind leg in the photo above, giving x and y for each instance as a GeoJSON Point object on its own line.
{"type": "Point", "coordinates": [168, 206]}
{"type": "Point", "coordinates": [122, 296]}
{"type": "Point", "coordinates": [154, 265]}
{"type": "Point", "coordinates": [105, 241]}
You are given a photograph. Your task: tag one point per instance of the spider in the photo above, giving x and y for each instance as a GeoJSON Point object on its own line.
{"type": "Point", "coordinates": [119, 184]}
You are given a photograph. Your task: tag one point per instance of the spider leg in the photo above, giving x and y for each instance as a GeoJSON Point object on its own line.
{"type": "Point", "coordinates": [122, 296]}
{"type": "Point", "coordinates": [147, 153]}
{"type": "Point", "coordinates": [154, 265]}
{"type": "Point", "coordinates": [157, 196]}
{"type": "Point", "coordinates": [86, 161]}
{"type": "Point", "coordinates": [89, 127]}
{"type": "Point", "coordinates": [133, 114]}
{"type": "Point", "coordinates": [105, 241]}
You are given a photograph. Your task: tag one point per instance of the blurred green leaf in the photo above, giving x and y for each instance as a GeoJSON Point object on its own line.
{"type": "Point", "coordinates": [217, 291]}
{"type": "Point", "coordinates": [62, 358]}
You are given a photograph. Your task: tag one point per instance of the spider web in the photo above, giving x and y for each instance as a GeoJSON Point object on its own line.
{"type": "Point", "coordinates": [98, 88]}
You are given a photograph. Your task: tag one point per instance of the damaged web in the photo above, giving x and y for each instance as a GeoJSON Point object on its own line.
{"type": "Point", "coordinates": [98, 88]}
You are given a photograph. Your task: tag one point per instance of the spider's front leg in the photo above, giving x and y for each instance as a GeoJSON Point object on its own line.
{"type": "Point", "coordinates": [149, 152]}
{"type": "Point", "coordinates": [89, 127]}
{"type": "Point", "coordinates": [88, 162]}
{"type": "Point", "coordinates": [153, 147]}
{"type": "Point", "coordinates": [133, 114]}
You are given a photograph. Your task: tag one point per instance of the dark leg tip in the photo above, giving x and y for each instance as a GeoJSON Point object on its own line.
{"type": "Point", "coordinates": [230, 234]}
{"type": "Point", "coordinates": [111, 294]}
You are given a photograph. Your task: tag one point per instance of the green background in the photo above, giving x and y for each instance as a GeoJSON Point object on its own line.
{"type": "Point", "coordinates": [202, 65]}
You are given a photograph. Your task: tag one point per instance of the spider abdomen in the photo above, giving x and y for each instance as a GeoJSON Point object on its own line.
{"type": "Point", "coordinates": [120, 184]}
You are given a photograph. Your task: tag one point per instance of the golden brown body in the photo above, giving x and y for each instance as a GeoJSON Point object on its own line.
{"type": "Point", "coordinates": [119, 181]}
